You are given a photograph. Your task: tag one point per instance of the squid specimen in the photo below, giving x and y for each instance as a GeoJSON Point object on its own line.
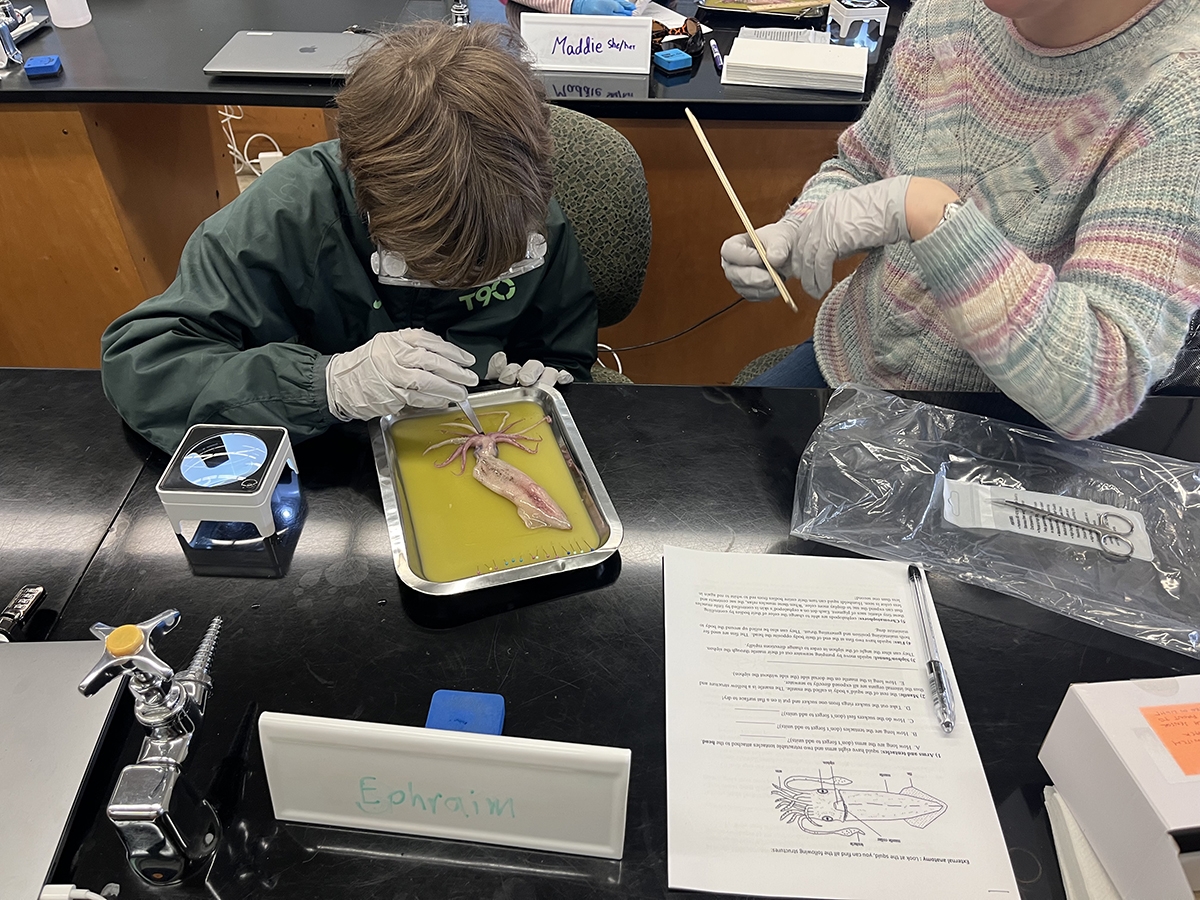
{"type": "Point", "coordinates": [535, 506]}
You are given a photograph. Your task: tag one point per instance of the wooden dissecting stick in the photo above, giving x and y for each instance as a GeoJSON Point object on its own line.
{"type": "Point", "coordinates": [712, 158]}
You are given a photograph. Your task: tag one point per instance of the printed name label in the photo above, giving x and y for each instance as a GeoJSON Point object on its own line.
{"type": "Point", "coordinates": [493, 789]}
{"type": "Point", "coordinates": [588, 43]}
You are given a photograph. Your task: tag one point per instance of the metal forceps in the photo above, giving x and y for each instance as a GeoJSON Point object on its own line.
{"type": "Point", "coordinates": [465, 406]}
{"type": "Point", "coordinates": [1112, 529]}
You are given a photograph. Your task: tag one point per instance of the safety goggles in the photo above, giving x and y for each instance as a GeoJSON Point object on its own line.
{"type": "Point", "coordinates": [688, 37]}
{"type": "Point", "coordinates": [392, 269]}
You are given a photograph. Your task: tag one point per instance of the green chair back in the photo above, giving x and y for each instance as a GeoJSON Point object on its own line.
{"type": "Point", "coordinates": [601, 185]}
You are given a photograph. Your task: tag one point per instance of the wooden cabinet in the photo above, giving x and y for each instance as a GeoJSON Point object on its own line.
{"type": "Point", "coordinates": [97, 204]}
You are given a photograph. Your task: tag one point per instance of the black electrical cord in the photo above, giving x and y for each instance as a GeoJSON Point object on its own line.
{"type": "Point", "coordinates": [682, 333]}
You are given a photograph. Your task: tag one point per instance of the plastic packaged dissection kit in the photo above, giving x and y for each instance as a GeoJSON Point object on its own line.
{"type": "Point", "coordinates": [1100, 533]}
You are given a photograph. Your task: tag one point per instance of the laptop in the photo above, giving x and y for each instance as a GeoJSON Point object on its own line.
{"type": "Point", "coordinates": [288, 54]}
{"type": "Point", "coordinates": [49, 737]}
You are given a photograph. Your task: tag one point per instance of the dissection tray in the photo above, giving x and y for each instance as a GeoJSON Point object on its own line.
{"type": "Point", "coordinates": [450, 534]}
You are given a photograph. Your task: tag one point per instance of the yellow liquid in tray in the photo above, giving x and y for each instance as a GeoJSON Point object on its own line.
{"type": "Point", "coordinates": [458, 527]}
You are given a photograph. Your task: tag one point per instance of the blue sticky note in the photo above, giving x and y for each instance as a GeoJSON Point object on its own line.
{"type": "Point", "coordinates": [466, 711]}
{"type": "Point", "coordinates": [42, 66]}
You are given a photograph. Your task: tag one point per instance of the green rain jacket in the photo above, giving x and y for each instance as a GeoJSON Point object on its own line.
{"type": "Point", "coordinates": [278, 281]}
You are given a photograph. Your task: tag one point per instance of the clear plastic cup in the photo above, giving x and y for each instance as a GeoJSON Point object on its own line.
{"type": "Point", "coordinates": [69, 13]}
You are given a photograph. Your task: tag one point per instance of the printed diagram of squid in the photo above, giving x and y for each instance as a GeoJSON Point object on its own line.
{"type": "Point", "coordinates": [822, 805]}
{"type": "Point", "coordinates": [535, 506]}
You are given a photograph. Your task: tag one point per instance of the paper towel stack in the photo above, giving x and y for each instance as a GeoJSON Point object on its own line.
{"type": "Point", "coordinates": [816, 67]}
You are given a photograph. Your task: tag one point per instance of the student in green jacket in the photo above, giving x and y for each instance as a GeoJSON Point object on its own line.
{"type": "Point", "coordinates": [391, 268]}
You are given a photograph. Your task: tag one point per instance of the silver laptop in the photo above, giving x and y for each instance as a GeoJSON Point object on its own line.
{"type": "Point", "coordinates": [288, 54]}
{"type": "Point", "coordinates": [49, 733]}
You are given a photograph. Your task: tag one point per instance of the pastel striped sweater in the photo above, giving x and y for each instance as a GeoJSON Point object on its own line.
{"type": "Point", "coordinates": [1069, 279]}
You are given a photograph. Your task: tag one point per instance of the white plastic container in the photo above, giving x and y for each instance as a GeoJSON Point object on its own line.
{"type": "Point", "coordinates": [69, 13]}
{"type": "Point", "coordinates": [1135, 801]}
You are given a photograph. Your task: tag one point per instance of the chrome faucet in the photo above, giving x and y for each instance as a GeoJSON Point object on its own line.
{"type": "Point", "coordinates": [10, 18]}
{"type": "Point", "coordinates": [460, 13]}
{"type": "Point", "coordinates": [168, 829]}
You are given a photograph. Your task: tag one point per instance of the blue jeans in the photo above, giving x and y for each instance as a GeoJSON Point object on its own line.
{"type": "Point", "coordinates": [798, 369]}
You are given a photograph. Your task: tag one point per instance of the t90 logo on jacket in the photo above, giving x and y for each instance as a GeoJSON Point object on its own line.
{"type": "Point", "coordinates": [504, 289]}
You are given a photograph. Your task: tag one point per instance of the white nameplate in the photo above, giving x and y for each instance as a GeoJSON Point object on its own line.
{"type": "Point", "coordinates": [588, 43]}
{"type": "Point", "coordinates": [494, 789]}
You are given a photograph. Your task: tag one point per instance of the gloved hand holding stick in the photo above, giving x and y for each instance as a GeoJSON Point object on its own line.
{"type": "Point", "coordinates": [712, 158]}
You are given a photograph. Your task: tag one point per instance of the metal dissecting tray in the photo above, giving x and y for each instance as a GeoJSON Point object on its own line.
{"type": "Point", "coordinates": [583, 472]}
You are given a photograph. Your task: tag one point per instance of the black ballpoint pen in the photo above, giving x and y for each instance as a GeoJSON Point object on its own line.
{"type": "Point", "coordinates": [939, 684]}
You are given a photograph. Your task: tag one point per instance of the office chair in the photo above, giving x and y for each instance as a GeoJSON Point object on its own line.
{"type": "Point", "coordinates": [760, 364]}
{"type": "Point", "coordinates": [601, 186]}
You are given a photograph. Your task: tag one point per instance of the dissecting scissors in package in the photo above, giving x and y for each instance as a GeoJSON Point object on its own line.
{"type": "Point", "coordinates": [1112, 529]}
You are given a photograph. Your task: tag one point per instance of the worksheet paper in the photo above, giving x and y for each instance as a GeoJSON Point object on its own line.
{"type": "Point", "coordinates": [803, 755]}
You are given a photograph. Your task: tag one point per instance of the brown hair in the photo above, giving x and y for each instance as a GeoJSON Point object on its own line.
{"type": "Point", "coordinates": [446, 133]}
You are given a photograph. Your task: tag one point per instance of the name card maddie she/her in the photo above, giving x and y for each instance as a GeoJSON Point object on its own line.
{"type": "Point", "coordinates": [588, 43]}
{"type": "Point", "coordinates": [493, 789]}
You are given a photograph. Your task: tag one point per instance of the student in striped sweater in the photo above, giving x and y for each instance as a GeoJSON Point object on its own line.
{"type": "Point", "coordinates": [1026, 180]}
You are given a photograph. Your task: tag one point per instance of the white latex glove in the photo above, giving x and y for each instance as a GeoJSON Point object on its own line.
{"type": "Point", "coordinates": [394, 369]}
{"type": "Point", "coordinates": [532, 372]}
{"type": "Point", "coordinates": [860, 218]}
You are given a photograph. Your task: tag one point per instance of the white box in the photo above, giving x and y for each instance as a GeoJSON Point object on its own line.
{"type": "Point", "coordinates": [1131, 797]}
